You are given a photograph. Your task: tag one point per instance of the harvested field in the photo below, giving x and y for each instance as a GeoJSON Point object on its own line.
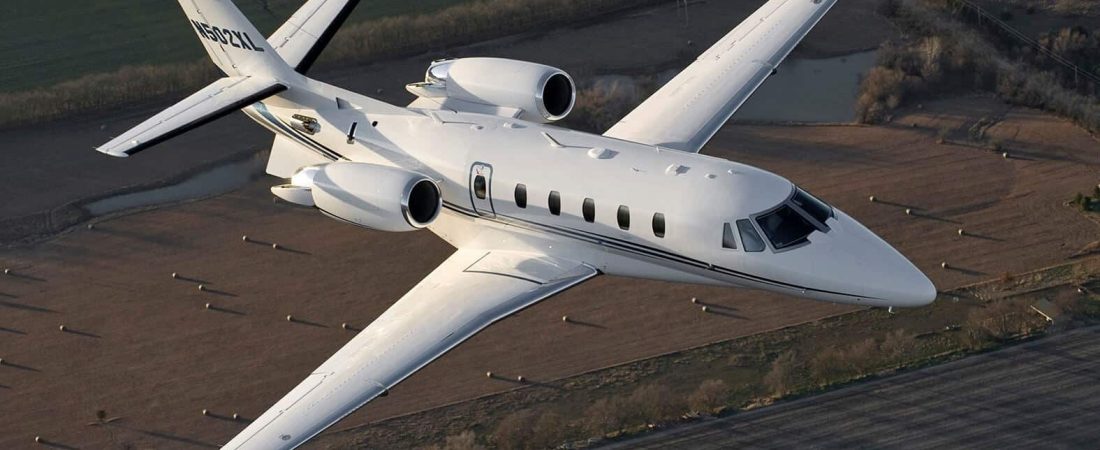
{"type": "Point", "coordinates": [1012, 210]}
{"type": "Point", "coordinates": [141, 345]}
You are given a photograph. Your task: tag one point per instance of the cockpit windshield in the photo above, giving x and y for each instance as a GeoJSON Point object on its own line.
{"type": "Point", "coordinates": [792, 222]}
{"type": "Point", "coordinates": [814, 207]}
{"type": "Point", "coordinates": [785, 227]}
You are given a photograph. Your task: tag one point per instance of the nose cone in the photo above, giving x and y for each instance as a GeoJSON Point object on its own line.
{"type": "Point", "coordinates": [851, 261]}
{"type": "Point", "coordinates": [881, 272]}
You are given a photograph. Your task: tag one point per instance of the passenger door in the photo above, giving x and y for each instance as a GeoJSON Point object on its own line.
{"type": "Point", "coordinates": [481, 189]}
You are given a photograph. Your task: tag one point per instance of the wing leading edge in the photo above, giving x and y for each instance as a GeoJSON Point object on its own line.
{"type": "Point", "coordinates": [690, 109]}
{"type": "Point", "coordinates": [469, 291]}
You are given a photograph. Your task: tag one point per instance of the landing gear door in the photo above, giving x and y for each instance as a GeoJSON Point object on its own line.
{"type": "Point", "coordinates": [481, 189]}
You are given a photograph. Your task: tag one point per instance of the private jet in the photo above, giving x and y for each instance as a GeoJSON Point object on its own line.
{"type": "Point", "coordinates": [531, 208]}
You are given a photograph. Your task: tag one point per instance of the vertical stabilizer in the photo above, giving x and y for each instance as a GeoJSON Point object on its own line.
{"type": "Point", "coordinates": [232, 41]}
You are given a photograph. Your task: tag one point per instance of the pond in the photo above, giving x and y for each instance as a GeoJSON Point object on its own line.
{"type": "Point", "coordinates": [810, 90]}
{"type": "Point", "coordinates": [218, 180]}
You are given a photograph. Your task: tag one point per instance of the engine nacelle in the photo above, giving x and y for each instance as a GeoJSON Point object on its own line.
{"type": "Point", "coordinates": [369, 195]}
{"type": "Point", "coordinates": [536, 92]}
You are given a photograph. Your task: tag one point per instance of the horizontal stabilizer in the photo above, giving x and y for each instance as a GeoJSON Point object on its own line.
{"type": "Point", "coordinates": [213, 102]}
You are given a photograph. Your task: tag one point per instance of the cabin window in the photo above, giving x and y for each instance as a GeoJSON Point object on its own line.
{"type": "Point", "coordinates": [480, 187]}
{"type": "Point", "coordinates": [588, 209]}
{"type": "Point", "coordinates": [624, 217]}
{"type": "Point", "coordinates": [659, 225]}
{"type": "Point", "coordinates": [749, 237]}
{"type": "Point", "coordinates": [554, 202]}
{"type": "Point", "coordinates": [728, 241]}
{"type": "Point", "coordinates": [521, 195]}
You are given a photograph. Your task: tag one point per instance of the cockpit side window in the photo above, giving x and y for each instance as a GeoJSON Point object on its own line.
{"type": "Point", "coordinates": [812, 206]}
{"type": "Point", "coordinates": [749, 237]}
{"type": "Point", "coordinates": [785, 227]}
{"type": "Point", "coordinates": [728, 241]}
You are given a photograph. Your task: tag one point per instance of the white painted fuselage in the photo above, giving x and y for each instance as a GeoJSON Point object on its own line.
{"type": "Point", "coordinates": [697, 196]}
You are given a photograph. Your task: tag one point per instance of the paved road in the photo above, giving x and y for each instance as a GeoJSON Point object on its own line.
{"type": "Point", "coordinates": [1040, 394]}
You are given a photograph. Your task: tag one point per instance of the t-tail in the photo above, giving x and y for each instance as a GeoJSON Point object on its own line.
{"type": "Point", "coordinates": [255, 68]}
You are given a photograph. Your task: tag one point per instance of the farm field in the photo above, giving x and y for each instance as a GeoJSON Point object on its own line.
{"type": "Point", "coordinates": [142, 346]}
{"type": "Point", "coordinates": [43, 43]}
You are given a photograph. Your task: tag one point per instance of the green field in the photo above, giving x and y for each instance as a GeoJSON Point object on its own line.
{"type": "Point", "coordinates": [43, 42]}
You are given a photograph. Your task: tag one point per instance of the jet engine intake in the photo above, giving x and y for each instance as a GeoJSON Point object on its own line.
{"type": "Point", "coordinates": [536, 92]}
{"type": "Point", "coordinates": [368, 195]}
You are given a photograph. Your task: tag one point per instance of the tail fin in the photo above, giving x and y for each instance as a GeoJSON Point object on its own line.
{"type": "Point", "coordinates": [302, 38]}
{"type": "Point", "coordinates": [231, 40]}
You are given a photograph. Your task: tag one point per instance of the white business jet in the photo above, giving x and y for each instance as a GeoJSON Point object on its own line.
{"type": "Point", "coordinates": [533, 209]}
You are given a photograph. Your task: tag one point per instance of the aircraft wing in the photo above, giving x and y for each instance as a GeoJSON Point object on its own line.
{"type": "Point", "coordinates": [689, 110]}
{"type": "Point", "coordinates": [469, 291]}
{"type": "Point", "coordinates": [302, 38]}
{"type": "Point", "coordinates": [212, 102]}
